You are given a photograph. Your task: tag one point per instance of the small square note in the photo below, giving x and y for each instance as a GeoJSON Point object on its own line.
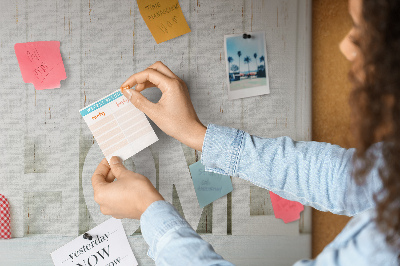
{"type": "Point", "coordinates": [118, 126]}
{"type": "Point", "coordinates": [41, 63]}
{"type": "Point", "coordinates": [107, 244]}
{"type": "Point", "coordinates": [209, 186]}
{"type": "Point", "coordinates": [164, 18]}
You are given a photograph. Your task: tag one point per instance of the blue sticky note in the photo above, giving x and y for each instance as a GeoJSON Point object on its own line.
{"type": "Point", "coordinates": [209, 186]}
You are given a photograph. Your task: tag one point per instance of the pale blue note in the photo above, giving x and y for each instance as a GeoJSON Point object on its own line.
{"type": "Point", "coordinates": [209, 186]}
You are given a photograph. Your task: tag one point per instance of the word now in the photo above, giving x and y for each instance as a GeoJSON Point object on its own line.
{"type": "Point", "coordinates": [94, 258]}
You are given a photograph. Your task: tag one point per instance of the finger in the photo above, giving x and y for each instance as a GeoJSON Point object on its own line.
{"type": "Point", "coordinates": [110, 177]}
{"type": "Point", "coordinates": [139, 87]}
{"type": "Point", "coordinates": [160, 67]}
{"type": "Point", "coordinates": [118, 168]}
{"type": "Point", "coordinates": [140, 102]}
{"type": "Point", "coordinates": [159, 80]}
{"type": "Point", "coordinates": [142, 86]}
{"type": "Point", "coordinates": [104, 210]}
{"type": "Point", "coordinates": [100, 174]}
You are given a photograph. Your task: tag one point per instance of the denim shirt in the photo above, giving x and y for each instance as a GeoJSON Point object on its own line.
{"type": "Point", "coordinates": [312, 173]}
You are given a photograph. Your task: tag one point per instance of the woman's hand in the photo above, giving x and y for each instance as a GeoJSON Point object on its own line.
{"type": "Point", "coordinates": [174, 113]}
{"type": "Point", "coordinates": [128, 196]}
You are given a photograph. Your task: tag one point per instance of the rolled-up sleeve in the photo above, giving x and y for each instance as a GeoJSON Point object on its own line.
{"type": "Point", "coordinates": [172, 241]}
{"type": "Point", "coordinates": [313, 173]}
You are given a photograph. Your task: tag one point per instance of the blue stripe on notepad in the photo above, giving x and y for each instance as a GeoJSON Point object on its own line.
{"type": "Point", "coordinates": [102, 102]}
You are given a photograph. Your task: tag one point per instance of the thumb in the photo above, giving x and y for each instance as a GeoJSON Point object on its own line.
{"type": "Point", "coordinates": [117, 167]}
{"type": "Point", "coordinates": [138, 100]}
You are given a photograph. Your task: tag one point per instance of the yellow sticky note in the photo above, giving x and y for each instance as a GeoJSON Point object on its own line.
{"type": "Point", "coordinates": [164, 18]}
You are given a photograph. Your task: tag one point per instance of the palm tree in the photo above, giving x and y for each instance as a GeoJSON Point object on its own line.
{"type": "Point", "coordinates": [247, 60]}
{"type": "Point", "coordinates": [230, 59]}
{"type": "Point", "coordinates": [239, 54]}
{"type": "Point", "coordinates": [262, 59]}
{"type": "Point", "coordinates": [234, 68]}
{"type": "Point", "coordinates": [255, 58]}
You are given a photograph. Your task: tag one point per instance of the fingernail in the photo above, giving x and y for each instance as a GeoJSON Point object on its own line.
{"type": "Point", "coordinates": [115, 160]}
{"type": "Point", "coordinates": [124, 88]}
{"type": "Point", "coordinates": [128, 94]}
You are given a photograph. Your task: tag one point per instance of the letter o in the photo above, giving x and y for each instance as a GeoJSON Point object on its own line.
{"type": "Point", "coordinates": [88, 260]}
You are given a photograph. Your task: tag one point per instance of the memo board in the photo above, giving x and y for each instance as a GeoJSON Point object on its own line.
{"type": "Point", "coordinates": [48, 153]}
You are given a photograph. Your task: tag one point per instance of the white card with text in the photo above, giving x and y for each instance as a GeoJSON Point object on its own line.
{"type": "Point", "coordinates": [118, 126]}
{"type": "Point", "coordinates": [109, 246]}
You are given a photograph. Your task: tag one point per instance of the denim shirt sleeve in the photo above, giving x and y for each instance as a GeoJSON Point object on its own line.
{"type": "Point", "coordinates": [172, 241]}
{"type": "Point", "coordinates": [312, 173]}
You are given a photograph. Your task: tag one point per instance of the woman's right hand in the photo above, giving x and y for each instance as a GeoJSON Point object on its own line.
{"type": "Point", "coordinates": [174, 112]}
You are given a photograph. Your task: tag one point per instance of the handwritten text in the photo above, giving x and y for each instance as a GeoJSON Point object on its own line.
{"type": "Point", "coordinates": [100, 114]}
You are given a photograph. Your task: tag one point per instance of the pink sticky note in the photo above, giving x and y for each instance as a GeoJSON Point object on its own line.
{"type": "Point", "coordinates": [41, 63]}
{"type": "Point", "coordinates": [284, 209]}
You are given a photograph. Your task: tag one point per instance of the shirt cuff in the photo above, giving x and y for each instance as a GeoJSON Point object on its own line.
{"type": "Point", "coordinates": [158, 219]}
{"type": "Point", "coordinates": [222, 148]}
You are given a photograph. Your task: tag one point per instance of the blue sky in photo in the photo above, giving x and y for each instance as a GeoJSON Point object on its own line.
{"type": "Point", "coordinates": [256, 44]}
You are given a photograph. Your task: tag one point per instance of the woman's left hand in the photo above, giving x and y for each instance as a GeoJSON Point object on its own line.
{"type": "Point", "coordinates": [127, 197]}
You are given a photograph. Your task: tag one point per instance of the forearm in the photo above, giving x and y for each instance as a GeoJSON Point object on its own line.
{"type": "Point", "coordinates": [172, 241]}
{"type": "Point", "coordinates": [312, 173]}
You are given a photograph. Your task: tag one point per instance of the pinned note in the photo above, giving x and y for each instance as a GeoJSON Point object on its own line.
{"type": "Point", "coordinates": [107, 244]}
{"type": "Point", "coordinates": [209, 186]}
{"type": "Point", "coordinates": [41, 63]}
{"type": "Point", "coordinates": [118, 126]}
{"type": "Point", "coordinates": [164, 18]}
{"type": "Point", "coordinates": [284, 209]}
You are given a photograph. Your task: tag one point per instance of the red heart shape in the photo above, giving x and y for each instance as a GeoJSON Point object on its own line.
{"type": "Point", "coordinates": [284, 209]}
{"type": "Point", "coordinates": [5, 231]}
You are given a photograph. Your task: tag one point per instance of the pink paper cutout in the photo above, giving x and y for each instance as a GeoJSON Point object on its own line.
{"type": "Point", "coordinates": [41, 63]}
{"type": "Point", "coordinates": [5, 231]}
{"type": "Point", "coordinates": [284, 209]}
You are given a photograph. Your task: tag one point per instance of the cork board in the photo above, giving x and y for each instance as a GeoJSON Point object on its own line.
{"type": "Point", "coordinates": [330, 108]}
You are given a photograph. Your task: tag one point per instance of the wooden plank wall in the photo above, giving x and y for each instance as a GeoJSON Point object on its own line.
{"type": "Point", "coordinates": [331, 89]}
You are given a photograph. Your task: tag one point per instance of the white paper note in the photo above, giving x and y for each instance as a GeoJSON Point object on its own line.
{"type": "Point", "coordinates": [109, 246]}
{"type": "Point", "coordinates": [118, 126]}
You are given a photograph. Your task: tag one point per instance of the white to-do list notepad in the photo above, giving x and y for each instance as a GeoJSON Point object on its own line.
{"type": "Point", "coordinates": [118, 126]}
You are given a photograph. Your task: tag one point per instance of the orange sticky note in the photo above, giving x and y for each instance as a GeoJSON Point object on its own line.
{"type": "Point", "coordinates": [41, 63]}
{"type": "Point", "coordinates": [164, 18]}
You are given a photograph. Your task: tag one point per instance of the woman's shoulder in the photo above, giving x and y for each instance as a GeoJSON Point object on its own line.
{"type": "Point", "coordinates": [362, 238]}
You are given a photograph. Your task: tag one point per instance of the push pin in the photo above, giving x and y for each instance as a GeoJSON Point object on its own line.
{"type": "Point", "coordinates": [87, 236]}
{"type": "Point", "coordinates": [246, 36]}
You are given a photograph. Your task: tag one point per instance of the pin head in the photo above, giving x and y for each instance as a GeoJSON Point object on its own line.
{"type": "Point", "coordinates": [246, 36]}
{"type": "Point", "coordinates": [87, 236]}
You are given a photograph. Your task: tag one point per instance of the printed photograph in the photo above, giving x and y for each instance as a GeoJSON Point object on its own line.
{"type": "Point", "coordinates": [246, 64]}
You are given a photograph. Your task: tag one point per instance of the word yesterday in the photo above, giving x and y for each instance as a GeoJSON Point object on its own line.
{"type": "Point", "coordinates": [89, 246]}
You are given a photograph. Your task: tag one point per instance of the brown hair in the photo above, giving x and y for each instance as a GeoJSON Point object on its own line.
{"type": "Point", "coordinates": [375, 102]}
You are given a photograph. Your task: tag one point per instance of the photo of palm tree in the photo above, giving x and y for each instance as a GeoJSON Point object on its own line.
{"type": "Point", "coordinates": [246, 65]}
